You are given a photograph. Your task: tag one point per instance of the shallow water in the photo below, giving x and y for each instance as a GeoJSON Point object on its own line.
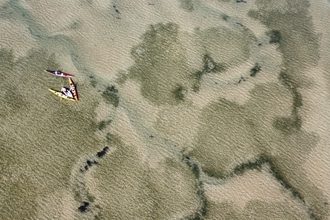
{"type": "Point", "coordinates": [168, 87]}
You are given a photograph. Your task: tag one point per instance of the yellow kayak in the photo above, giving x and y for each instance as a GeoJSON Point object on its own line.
{"type": "Point", "coordinates": [61, 95]}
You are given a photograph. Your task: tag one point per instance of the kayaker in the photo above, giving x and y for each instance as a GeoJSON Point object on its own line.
{"type": "Point", "coordinates": [67, 92]}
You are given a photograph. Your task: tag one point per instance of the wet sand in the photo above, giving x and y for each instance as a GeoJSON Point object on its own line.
{"type": "Point", "coordinates": [209, 109]}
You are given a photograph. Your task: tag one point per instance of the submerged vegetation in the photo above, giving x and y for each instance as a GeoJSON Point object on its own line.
{"type": "Point", "coordinates": [187, 5]}
{"type": "Point", "coordinates": [275, 36]}
{"type": "Point", "coordinates": [110, 95]}
{"type": "Point", "coordinates": [160, 64]}
{"type": "Point", "coordinates": [178, 93]}
{"type": "Point", "coordinates": [255, 70]}
{"type": "Point", "coordinates": [287, 124]}
{"type": "Point", "coordinates": [93, 81]}
{"type": "Point", "coordinates": [209, 66]}
{"type": "Point", "coordinates": [201, 211]}
{"type": "Point", "coordinates": [225, 17]}
{"type": "Point", "coordinates": [292, 123]}
{"type": "Point", "coordinates": [149, 177]}
{"type": "Point", "coordinates": [103, 124]}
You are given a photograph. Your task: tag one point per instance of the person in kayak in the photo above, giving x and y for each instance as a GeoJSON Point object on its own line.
{"type": "Point", "coordinates": [67, 92]}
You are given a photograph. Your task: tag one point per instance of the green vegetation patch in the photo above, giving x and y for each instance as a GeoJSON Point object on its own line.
{"type": "Point", "coordinates": [225, 17]}
{"type": "Point", "coordinates": [201, 212]}
{"type": "Point", "coordinates": [275, 36]}
{"type": "Point", "coordinates": [293, 30]}
{"type": "Point", "coordinates": [225, 137]}
{"type": "Point", "coordinates": [268, 102]}
{"type": "Point", "coordinates": [122, 76]}
{"type": "Point", "coordinates": [93, 81]}
{"type": "Point", "coordinates": [292, 84]}
{"type": "Point", "coordinates": [250, 165]}
{"type": "Point", "coordinates": [277, 128]}
{"type": "Point", "coordinates": [209, 66]}
{"type": "Point", "coordinates": [160, 64]}
{"type": "Point", "coordinates": [229, 47]}
{"type": "Point", "coordinates": [111, 96]}
{"type": "Point", "coordinates": [103, 124]}
{"type": "Point", "coordinates": [77, 196]}
{"type": "Point", "coordinates": [90, 197]}
{"type": "Point", "coordinates": [287, 124]}
{"type": "Point", "coordinates": [178, 93]}
{"type": "Point", "coordinates": [255, 70]}
{"type": "Point", "coordinates": [6, 64]}
{"type": "Point", "coordinates": [277, 171]}
{"type": "Point", "coordinates": [198, 77]}
{"type": "Point", "coordinates": [187, 5]}
{"type": "Point", "coordinates": [234, 134]}
{"type": "Point", "coordinates": [293, 151]}
{"type": "Point", "coordinates": [224, 48]}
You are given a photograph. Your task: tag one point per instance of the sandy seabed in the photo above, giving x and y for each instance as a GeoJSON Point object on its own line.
{"type": "Point", "coordinates": [189, 109]}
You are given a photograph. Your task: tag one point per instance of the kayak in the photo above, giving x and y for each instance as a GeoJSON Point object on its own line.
{"type": "Point", "coordinates": [67, 92]}
{"type": "Point", "coordinates": [73, 89]}
{"type": "Point", "coordinates": [58, 73]}
{"type": "Point", "coordinates": [61, 95]}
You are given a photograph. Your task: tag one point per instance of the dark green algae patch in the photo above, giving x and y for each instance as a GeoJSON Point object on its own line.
{"type": "Point", "coordinates": [225, 135]}
{"type": "Point", "coordinates": [187, 5]}
{"type": "Point", "coordinates": [255, 70]}
{"type": "Point", "coordinates": [178, 93]}
{"type": "Point", "coordinates": [161, 63]}
{"type": "Point", "coordinates": [209, 66]}
{"type": "Point", "coordinates": [196, 170]}
{"type": "Point", "coordinates": [110, 95]}
{"type": "Point", "coordinates": [103, 124]}
{"type": "Point", "coordinates": [294, 33]}
{"type": "Point", "coordinates": [275, 36]}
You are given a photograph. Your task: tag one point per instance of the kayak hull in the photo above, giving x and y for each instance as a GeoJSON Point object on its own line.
{"type": "Point", "coordinates": [59, 73]}
{"type": "Point", "coordinates": [61, 95]}
{"type": "Point", "coordinates": [73, 89]}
